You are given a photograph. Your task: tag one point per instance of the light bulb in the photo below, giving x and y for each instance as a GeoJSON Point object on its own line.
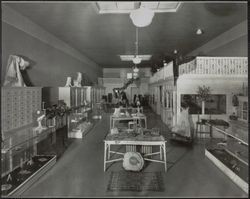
{"type": "Point", "coordinates": [199, 31]}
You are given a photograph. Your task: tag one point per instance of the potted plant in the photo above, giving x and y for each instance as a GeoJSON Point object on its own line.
{"type": "Point", "coordinates": [203, 95]}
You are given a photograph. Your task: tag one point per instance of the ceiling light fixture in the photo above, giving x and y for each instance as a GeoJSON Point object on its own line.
{"type": "Point", "coordinates": [199, 31]}
{"type": "Point", "coordinates": [175, 51]}
{"type": "Point", "coordinates": [142, 16]}
{"type": "Point", "coordinates": [131, 57]}
{"type": "Point", "coordinates": [137, 59]}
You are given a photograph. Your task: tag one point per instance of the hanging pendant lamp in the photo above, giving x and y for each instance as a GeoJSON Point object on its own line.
{"type": "Point", "coordinates": [142, 16]}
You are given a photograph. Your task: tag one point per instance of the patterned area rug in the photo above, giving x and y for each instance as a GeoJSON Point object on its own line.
{"type": "Point", "coordinates": [135, 181]}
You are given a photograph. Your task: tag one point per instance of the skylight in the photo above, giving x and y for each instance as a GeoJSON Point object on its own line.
{"type": "Point", "coordinates": [117, 7]}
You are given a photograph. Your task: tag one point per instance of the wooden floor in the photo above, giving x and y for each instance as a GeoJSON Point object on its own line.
{"type": "Point", "coordinates": [79, 172]}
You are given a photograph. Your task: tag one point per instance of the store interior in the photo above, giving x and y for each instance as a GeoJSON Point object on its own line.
{"type": "Point", "coordinates": [124, 99]}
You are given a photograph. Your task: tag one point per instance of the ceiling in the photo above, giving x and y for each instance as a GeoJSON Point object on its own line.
{"type": "Point", "coordinates": [102, 37]}
{"type": "Point", "coordinates": [128, 6]}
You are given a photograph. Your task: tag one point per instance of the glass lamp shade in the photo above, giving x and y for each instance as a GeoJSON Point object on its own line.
{"type": "Point", "coordinates": [136, 60]}
{"type": "Point", "coordinates": [141, 17]}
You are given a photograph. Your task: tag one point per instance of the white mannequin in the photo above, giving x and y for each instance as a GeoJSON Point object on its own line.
{"type": "Point", "coordinates": [40, 127]}
{"type": "Point", "coordinates": [78, 81]}
{"type": "Point", "coordinates": [68, 83]}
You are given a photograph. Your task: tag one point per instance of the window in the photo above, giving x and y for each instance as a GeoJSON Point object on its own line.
{"type": "Point", "coordinates": [192, 102]}
{"type": "Point", "coordinates": [167, 99]}
{"type": "Point", "coordinates": [216, 104]}
{"type": "Point", "coordinates": [160, 89]}
{"type": "Point", "coordinates": [242, 112]}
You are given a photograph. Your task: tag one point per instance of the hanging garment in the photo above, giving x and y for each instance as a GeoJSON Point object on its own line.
{"type": "Point", "coordinates": [13, 75]}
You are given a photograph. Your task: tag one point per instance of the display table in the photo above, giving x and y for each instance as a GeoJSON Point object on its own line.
{"type": "Point", "coordinates": [128, 138]}
{"type": "Point", "coordinates": [134, 117]}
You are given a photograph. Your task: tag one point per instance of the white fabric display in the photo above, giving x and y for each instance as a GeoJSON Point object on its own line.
{"type": "Point", "coordinates": [40, 117]}
{"type": "Point", "coordinates": [78, 81]}
{"type": "Point", "coordinates": [68, 82]}
{"type": "Point", "coordinates": [133, 161]}
{"type": "Point", "coordinates": [117, 112]}
{"type": "Point", "coordinates": [13, 75]}
{"type": "Point", "coordinates": [114, 131]}
{"type": "Point", "coordinates": [183, 124]}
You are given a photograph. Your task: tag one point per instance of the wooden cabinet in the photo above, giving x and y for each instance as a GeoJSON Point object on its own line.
{"type": "Point", "coordinates": [72, 96]}
{"type": "Point", "coordinates": [18, 105]}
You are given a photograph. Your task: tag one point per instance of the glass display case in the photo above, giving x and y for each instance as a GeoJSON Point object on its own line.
{"type": "Point", "coordinates": [79, 121]}
{"type": "Point", "coordinates": [229, 151]}
{"type": "Point", "coordinates": [23, 129]}
{"type": "Point", "coordinates": [79, 102]}
{"type": "Point", "coordinates": [22, 163]}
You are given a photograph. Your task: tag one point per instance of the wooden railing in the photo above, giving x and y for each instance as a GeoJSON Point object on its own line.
{"type": "Point", "coordinates": [163, 73]}
{"type": "Point", "coordinates": [215, 66]}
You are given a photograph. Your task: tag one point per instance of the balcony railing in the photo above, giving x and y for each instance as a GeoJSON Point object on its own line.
{"type": "Point", "coordinates": [163, 73]}
{"type": "Point", "coordinates": [215, 66]}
